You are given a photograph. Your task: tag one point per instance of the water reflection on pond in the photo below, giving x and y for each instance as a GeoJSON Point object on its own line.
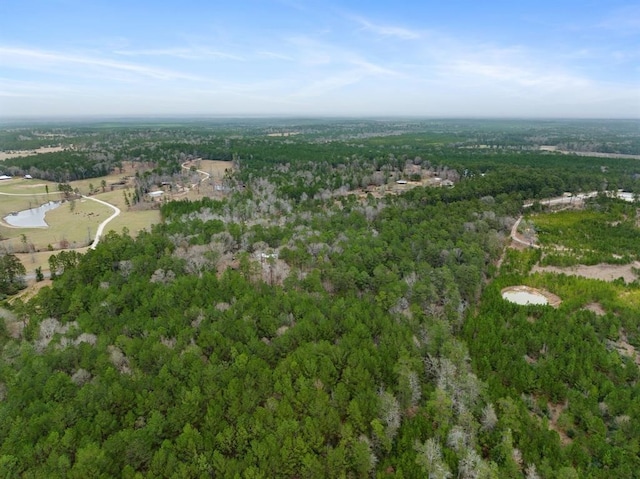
{"type": "Point", "coordinates": [31, 218]}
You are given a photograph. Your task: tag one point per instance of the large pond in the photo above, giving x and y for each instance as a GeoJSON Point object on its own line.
{"type": "Point", "coordinates": [31, 218]}
{"type": "Point", "coordinates": [525, 297]}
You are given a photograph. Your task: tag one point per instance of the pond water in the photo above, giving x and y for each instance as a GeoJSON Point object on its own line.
{"type": "Point", "coordinates": [32, 218]}
{"type": "Point", "coordinates": [524, 297]}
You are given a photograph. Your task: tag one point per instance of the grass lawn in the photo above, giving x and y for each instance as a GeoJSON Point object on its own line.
{"type": "Point", "coordinates": [74, 224]}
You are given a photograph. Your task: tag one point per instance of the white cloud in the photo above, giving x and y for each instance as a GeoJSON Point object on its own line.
{"type": "Point", "coordinates": [22, 88]}
{"type": "Point", "coordinates": [274, 55]}
{"type": "Point", "coordinates": [374, 69]}
{"type": "Point", "coordinates": [625, 20]}
{"type": "Point", "coordinates": [328, 84]}
{"type": "Point", "coordinates": [380, 68]}
{"type": "Point", "coordinates": [33, 59]}
{"type": "Point", "coordinates": [184, 53]}
{"type": "Point", "coordinates": [388, 30]}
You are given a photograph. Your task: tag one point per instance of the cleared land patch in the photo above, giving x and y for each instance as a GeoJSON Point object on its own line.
{"type": "Point", "coordinates": [595, 308]}
{"type": "Point", "coordinates": [5, 155]}
{"type": "Point", "coordinates": [602, 271]}
{"type": "Point", "coordinates": [73, 225]}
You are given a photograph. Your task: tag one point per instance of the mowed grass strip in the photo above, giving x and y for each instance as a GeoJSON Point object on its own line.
{"type": "Point", "coordinates": [22, 186]}
{"type": "Point", "coordinates": [135, 220]}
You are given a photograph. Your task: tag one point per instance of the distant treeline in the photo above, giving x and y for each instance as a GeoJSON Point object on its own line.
{"type": "Point", "coordinates": [60, 166]}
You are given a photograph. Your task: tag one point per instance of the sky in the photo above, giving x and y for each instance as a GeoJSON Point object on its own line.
{"type": "Point", "coordinates": [453, 58]}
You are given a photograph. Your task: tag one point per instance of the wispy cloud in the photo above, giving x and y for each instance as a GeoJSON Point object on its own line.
{"type": "Point", "coordinates": [374, 69]}
{"type": "Point", "coordinates": [34, 59]}
{"type": "Point", "coordinates": [33, 89]}
{"type": "Point", "coordinates": [274, 55]}
{"type": "Point", "coordinates": [184, 53]}
{"type": "Point", "coordinates": [328, 84]}
{"type": "Point", "coordinates": [310, 52]}
{"type": "Point", "coordinates": [388, 30]}
{"type": "Point", "coordinates": [625, 20]}
{"type": "Point", "coordinates": [514, 75]}
{"type": "Point", "coordinates": [301, 56]}
{"type": "Point", "coordinates": [351, 72]}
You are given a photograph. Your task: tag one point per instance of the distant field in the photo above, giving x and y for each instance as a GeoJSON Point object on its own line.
{"type": "Point", "coordinates": [134, 220]}
{"type": "Point", "coordinates": [28, 187]}
{"type": "Point", "coordinates": [4, 155]}
{"type": "Point", "coordinates": [215, 168]}
{"type": "Point", "coordinates": [72, 223]}
{"type": "Point", "coordinates": [76, 226]}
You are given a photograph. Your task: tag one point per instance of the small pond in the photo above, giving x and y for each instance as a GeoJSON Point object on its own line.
{"type": "Point", "coordinates": [525, 297]}
{"type": "Point", "coordinates": [32, 218]}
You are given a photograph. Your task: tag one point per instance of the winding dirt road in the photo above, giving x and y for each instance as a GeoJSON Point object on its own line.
{"type": "Point", "coordinates": [101, 227]}
{"type": "Point", "coordinates": [205, 176]}
{"type": "Point", "coordinates": [514, 236]}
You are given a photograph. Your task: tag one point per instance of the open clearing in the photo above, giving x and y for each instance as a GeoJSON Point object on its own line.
{"type": "Point", "coordinates": [4, 155]}
{"type": "Point", "coordinates": [556, 411]}
{"type": "Point", "coordinates": [71, 225]}
{"type": "Point", "coordinates": [604, 272]}
{"type": "Point", "coordinates": [74, 224]}
{"type": "Point", "coordinates": [593, 154]}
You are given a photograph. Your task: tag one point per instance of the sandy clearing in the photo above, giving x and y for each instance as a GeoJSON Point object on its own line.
{"type": "Point", "coordinates": [595, 308]}
{"type": "Point", "coordinates": [593, 154]}
{"type": "Point", "coordinates": [626, 349]}
{"type": "Point", "coordinates": [556, 410]}
{"type": "Point", "coordinates": [604, 272]}
{"type": "Point", "coordinates": [31, 290]}
{"type": "Point", "coordinates": [4, 155]}
{"type": "Point", "coordinates": [285, 133]}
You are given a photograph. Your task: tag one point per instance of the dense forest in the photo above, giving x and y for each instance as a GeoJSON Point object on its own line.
{"type": "Point", "coordinates": [322, 321]}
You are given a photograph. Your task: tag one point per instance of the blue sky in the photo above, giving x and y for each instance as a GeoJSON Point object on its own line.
{"type": "Point", "coordinates": [559, 58]}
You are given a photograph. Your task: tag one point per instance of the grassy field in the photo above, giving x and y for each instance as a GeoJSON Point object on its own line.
{"type": "Point", "coordinates": [74, 224]}
{"type": "Point", "coordinates": [134, 220]}
{"type": "Point", "coordinates": [22, 186]}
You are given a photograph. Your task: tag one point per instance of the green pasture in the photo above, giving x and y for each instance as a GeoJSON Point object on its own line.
{"type": "Point", "coordinates": [74, 223]}
{"type": "Point", "coordinates": [134, 220]}
{"type": "Point", "coordinates": [22, 186]}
